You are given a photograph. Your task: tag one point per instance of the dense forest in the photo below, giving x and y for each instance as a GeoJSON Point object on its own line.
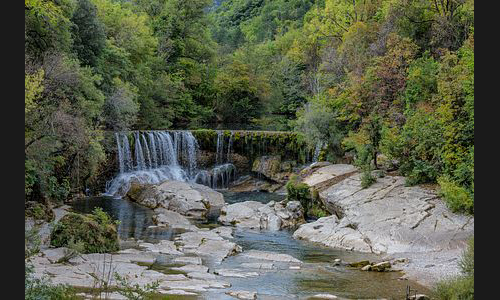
{"type": "Point", "coordinates": [389, 79]}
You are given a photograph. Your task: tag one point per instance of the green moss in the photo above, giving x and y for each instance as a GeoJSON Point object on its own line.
{"type": "Point", "coordinates": [96, 231]}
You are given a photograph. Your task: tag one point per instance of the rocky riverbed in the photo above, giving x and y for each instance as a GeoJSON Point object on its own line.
{"type": "Point", "coordinates": [169, 238]}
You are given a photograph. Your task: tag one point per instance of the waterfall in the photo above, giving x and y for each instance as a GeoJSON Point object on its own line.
{"type": "Point", "coordinates": [165, 155]}
{"type": "Point", "coordinates": [319, 145]}
{"type": "Point", "coordinates": [229, 146]}
{"type": "Point", "coordinates": [220, 148]}
{"type": "Point", "coordinates": [218, 178]}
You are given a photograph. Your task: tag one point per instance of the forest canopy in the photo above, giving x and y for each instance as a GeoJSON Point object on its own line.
{"type": "Point", "coordinates": [376, 77]}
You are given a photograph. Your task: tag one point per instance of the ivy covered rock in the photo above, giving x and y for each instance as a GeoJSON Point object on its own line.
{"type": "Point", "coordinates": [96, 231]}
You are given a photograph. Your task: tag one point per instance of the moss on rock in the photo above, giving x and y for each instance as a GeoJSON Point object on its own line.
{"type": "Point", "coordinates": [97, 232]}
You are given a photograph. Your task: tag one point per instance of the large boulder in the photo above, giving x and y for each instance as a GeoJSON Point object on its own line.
{"type": "Point", "coordinates": [256, 215]}
{"type": "Point", "coordinates": [189, 199]}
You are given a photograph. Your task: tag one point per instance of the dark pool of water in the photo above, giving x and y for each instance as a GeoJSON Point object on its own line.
{"type": "Point", "coordinates": [134, 218]}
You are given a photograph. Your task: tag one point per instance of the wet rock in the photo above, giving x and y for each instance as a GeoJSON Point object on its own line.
{"type": "Point", "coordinates": [267, 266]}
{"type": "Point", "coordinates": [256, 215]}
{"type": "Point", "coordinates": [366, 268]}
{"type": "Point", "coordinates": [243, 294]}
{"type": "Point", "coordinates": [235, 273]}
{"type": "Point", "coordinates": [381, 266]}
{"type": "Point", "coordinates": [359, 264]}
{"type": "Point", "coordinates": [172, 219]}
{"type": "Point", "coordinates": [264, 255]}
{"type": "Point", "coordinates": [209, 244]}
{"type": "Point", "coordinates": [189, 199]}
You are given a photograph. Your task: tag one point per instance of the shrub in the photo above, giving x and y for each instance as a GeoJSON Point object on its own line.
{"type": "Point", "coordinates": [459, 288]}
{"type": "Point", "coordinates": [457, 197]}
{"type": "Point", "coordinates": [367, 178]}
{"type": "Point", "coordinates": [96, 231]}
{"type": "Point", "coordinates": [38, 211]}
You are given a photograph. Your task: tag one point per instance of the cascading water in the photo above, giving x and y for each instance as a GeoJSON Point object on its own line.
{"type": "Point", "coordinates": [165, 155]}
{"type": "Point", "coordinates": [317, 150]}
{"type": "Point", "coordinates": [218, 178]}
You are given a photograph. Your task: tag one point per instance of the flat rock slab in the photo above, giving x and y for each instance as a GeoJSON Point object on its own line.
{"type": "Point", "coordinates": [258, 265]}
{"type": "Point", "coordinates": [194, 260]}
{"type": "Point", "coordinates": [264, 255]}
{"type": "Point", "coordinates": [172, 219]}
{"type": "Point", "coordinates": [163, 247]}
{"type": "Point", "coordinates": [235, 273]}
{"type": "Point", "coordinates": [192, 268]}
{"type": "Point", "coordinates": [324, 176]}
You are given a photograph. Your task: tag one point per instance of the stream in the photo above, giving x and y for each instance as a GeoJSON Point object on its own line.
{"type": "Point", "coordinates": [317, 275]}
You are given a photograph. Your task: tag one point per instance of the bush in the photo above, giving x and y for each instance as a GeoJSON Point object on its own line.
{"type": "Point", "coordinates": [459, 288]}
{"type": "Point", "coordinates": [96, 231]}
{"type": "Point", "coordinates": [38, 211]}
{"type": "Point", "coordinates": [367, 178]}
{"type": "Point", "coordinates": [457, 197]}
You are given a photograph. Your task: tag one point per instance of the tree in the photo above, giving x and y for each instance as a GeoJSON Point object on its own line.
{"type": "Point", "coordinates": [88, 33]}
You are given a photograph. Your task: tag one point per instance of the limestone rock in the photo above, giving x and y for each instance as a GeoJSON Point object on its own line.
{"type": "Point", "coordinates": [189, 199]}
{"type": "Point", "coordinates": [387, 217]}
{"type": "Point", "coordinates": [264, 255]}
{"type": "Point", "coordinates": [172, 219]}
{"type": "Point", "coordinates": [256, 215]}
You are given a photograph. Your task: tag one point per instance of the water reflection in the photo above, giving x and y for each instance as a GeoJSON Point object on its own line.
{"type": "Point", "coordinates": [134, 219]}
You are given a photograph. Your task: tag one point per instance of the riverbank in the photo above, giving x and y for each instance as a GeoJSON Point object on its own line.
{"type": "Point", "coordinates": [391, 219]}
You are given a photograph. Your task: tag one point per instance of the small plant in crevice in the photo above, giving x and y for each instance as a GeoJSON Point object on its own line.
{"type": "Point", "coordinates": [308, 198]}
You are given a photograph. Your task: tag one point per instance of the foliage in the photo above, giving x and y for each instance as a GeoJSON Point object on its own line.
{"type": "Point", "coordinates": [97, 231]}
{"type": "Point", "coordinates": [390, 77]}
{"type": "Point", "coordinates": [457, 197]}
{"type": "Point", "coordinates": [298, 191]}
